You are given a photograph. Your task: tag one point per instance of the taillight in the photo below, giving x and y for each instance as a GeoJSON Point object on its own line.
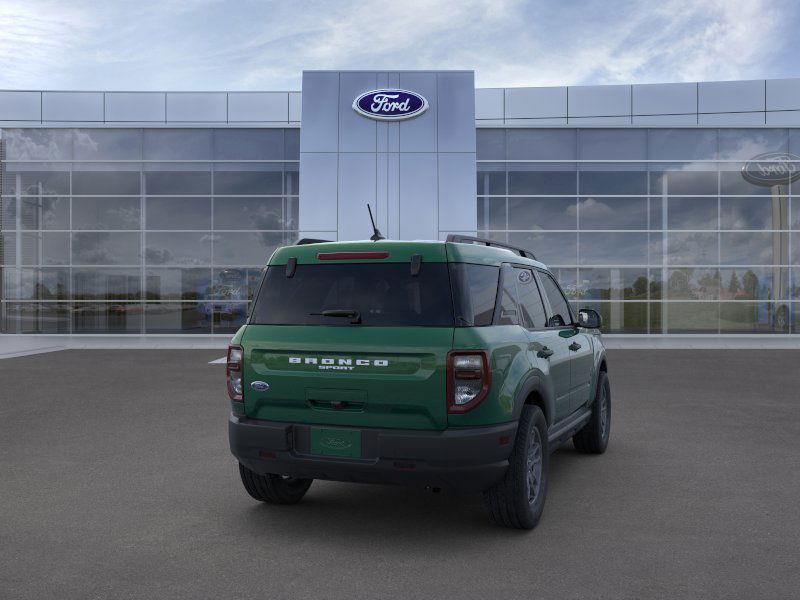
{"type": "Point", "coordinates": [234, 372]}
{"type": "Point", "coordinates": [468, 379]}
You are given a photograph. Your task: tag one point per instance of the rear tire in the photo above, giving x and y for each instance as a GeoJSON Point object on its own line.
{"type": "Point", "coordinates": [593, 437]}
{"type": "Point", "coordinates": [518, 500]}
{"type": "Point", "coordinates": [274, 489]}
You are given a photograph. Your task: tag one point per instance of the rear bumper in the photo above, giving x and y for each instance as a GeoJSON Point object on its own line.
{"type": "Point", "coordinates": [462, 459]}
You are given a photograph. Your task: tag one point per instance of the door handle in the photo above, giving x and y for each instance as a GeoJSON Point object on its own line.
{"type": "Point", "coordinates": [574, 346]}
{"type": "Point", "coordinates": [545, 352]}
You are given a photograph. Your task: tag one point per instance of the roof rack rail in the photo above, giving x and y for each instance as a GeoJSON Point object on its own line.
{"type": "Point", "coordinates": [304, 241]}
{"type": "Point", "coordinates": [468, 239]}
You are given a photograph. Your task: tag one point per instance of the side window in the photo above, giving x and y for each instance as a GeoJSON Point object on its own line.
{"type": "Point", "coordinates": [509, 315]}
{"type": "Point", "coordinates": [474, 293]}
{"type": "Point", "coordinates": [530, 302]}
{"type": "Point", "coordinates": [558, 304]}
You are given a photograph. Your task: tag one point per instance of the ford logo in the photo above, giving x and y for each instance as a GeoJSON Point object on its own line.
{"type": "Point", "coordinates": [772, 168]}
{"type": "Point", "coordinates": [390, 105]}
{"type": "Point", "coordinates": [259, 386]}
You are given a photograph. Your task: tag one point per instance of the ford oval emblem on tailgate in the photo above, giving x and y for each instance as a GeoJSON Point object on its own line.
{"type": "Point", "coordinates": [259, 386]}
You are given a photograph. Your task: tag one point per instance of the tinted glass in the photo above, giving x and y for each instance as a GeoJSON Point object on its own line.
{"type": "Point", "coordinates": [612, 213]}
{"type": "Point", "coordinates": [490, 144]}
{"type": "Point", "coordinates": [474, 293]}
{"type": "Point", "coordinates": [44, 212]}
{"type": "Point", "coordinates": [383, 294]}
{"type": "Point", "coordinates": [178, 248]}
{"type": "Point", "coordinates": [542, 213]}
{"type": "Point", "coordinates": [530, 301]}
{"type": "Point", "coordinates": [178, 213]}
{"type": "Point", "coordinates": [559, 307]}
{"type": "Point", "coordinates": [179, 183]}
{"type": "Point", "coordinates": [248, 213]}
{"type": "Point", "coordinates": [118, 183]}
{"type": "Point", "coordinates": [248, 144]}
{"type": "Point", "coordinates": [509, 312]}
{"type": "Point", "coordinates": [105, 213]}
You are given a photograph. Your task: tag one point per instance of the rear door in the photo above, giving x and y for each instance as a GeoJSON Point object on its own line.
{"type": "Point", "coordinates": [546, 345]}
{"type": "Point", "coordinates": [383, 365]}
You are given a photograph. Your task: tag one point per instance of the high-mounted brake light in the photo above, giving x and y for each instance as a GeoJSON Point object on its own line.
{"type": "Point", "coordinates": [350, 255]}
{"type": "Point", "coordinates": [233, 372]}
{"type": "Point", "coordinates": [468, 379]}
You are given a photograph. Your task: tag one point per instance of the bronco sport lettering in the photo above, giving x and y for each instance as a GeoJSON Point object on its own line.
{"type": "Point", "coordinates": [490, 369]}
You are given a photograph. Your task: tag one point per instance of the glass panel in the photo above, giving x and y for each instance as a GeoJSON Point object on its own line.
{"type": "Point", "coordinates": [291, 179]}
{"type": "Point", "coordinates": [747, 317]}
{"type": "Point", "coordinates": [36, 284]}
{"type": "Point", "coordinates": [673, 180]}
{"type": "Point", "coordinates": [491, 179]}
{"type": "Point", "coordinates": [612, 213]}
{"type": "Point", "coordinates": [105, 213]}
{"type": "Point", "coordinates": [36, 183]}
{"type": "Point", "coordinates": [105, 248]}
{"type": "Point", "coordinates": [474, 289]}
{"type": "Point", "coordinates": [235, 284]}
{"type": "Point", "coordinates": [690, 317]}
{"type": "Point", "coordinates": [492, 213]}
{"type": "Point", "coordinates": [682, 144]}
{"type": "Point", "coordinates": [541, 213]}
{"type": "Point", "coordinates": [613, 284]}
{"type": "Point", "coordinates": [541, 144]}
{"type": "Point", "coordinates": [245, 248]}
{"type": "Point", "coordinates": [656, 213]}
{"type": "Point", "coordinates": [291, 144]}
{"type": "Point", "coordinates": [107, 144]}
{"type": "Point", "coordinates": [171, 248]}
{"type": "Point", "coordinates": [613, 182]}
{"type": "Point", "coordinates": [291, 213]}
{"type": "Point", "coordinates": [178, 144]}
{"type": "Point", "coordinates": [490, 144]}
{"type": "Point", "coordinates": [612, 248]}
{"type": "Point", "coordinates": [732, 182]}
{"type": "Point", "coordinates": [692, 213]}
{"type": "Point", "coordinates": [568, 280]}
{"type": "Point", "coordinates": [755, 283]}
{"type": "Point", "coordinates": [693, 284]}
{"type": "Point", "coordinates": [175, 317]}
{"type": "Point", "coordinates": [524, 180]}
{"type": "Point", "coordinates": [174, 212]}
{"type": "Point", "coordinates": [117, 183]}
{"type": "Point", "coordinates": [248, 144]}
{"type": "Point", "coordinates": [8, 248]}
{"type": "Point", "coordinates": [746, 144]}
{"type": "Point", "coordinates": [692, 248]}
{"type": "Point", "coordinates": [178, 183]}
{"type": "Point", "coordinates": [621, 317]}
{"type": "Point", "coordinates": [795, 221]}
{"type": "Point", "coordinates": [107, 317]}
{"type": "Point", "coordinates": [38, 144]}
{"type": "Point", "coordinates": [8, 214]}
{"type": "Point", "coordinates": [44, 212]}
{"type": "Point", "coordinates": [612, 144]}
{"type": "Point", "coordinates": [49, 248]}
{"type": "Point", "coordinates": [35, 317]}
{"type": "Point", "coordinates": [750, 248]}
{"type": "Point", "coordinates": [550, 248]}
{"type": "Point", "coordinates": [559, 307]}
{"type": "Point", "coordinates": [656, 284]}
{"type": "Point", "coordinates": [754, 213]}
{"type": "Point", "coordinates": [530, 301]}
{"type": "Point", "coordinates": [794, 287]}
{"type": "Point", "coordinates": [106, 284]}
{"type": "Point", "coordinates": [250, 182]}
{"type": "Point", "coordinates": [229, 317]}
{"type": "Point", "coordinates": [248, 213]}
{"type": "Point", "coordinates": [178, 284]}
{"type": "Point", "coordinates": [656, 309]}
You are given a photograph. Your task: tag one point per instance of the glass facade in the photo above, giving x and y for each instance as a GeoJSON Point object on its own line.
{"type": "Point", "coordinates": [656, 229]}
{"type": "Point", "coordinates": [159, 230]}
{"type": "Point", "coordinates": [141, 230]}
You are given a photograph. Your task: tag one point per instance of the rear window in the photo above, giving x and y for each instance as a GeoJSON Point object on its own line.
{"type": "Point", "coordinates": [383, 294]}
{"type": "Point", "coordinates": [474, 293]}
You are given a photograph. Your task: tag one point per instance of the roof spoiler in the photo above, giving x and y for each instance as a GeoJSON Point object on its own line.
{"type": "Point", "coordinates": [467, 239]}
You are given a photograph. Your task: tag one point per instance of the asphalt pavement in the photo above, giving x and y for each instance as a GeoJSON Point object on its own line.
{"type": "Point", "coordinates": [116, 482]}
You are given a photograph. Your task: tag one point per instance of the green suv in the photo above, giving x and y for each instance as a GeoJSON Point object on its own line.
{"type": "Point", "coordinates": [456, 365]}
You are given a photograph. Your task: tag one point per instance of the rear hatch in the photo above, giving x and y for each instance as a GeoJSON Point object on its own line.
{"type": "Point", "coordinates": [345, 338]}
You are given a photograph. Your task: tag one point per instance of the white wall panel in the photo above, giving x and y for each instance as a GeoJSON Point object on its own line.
{"type": "Point", "coordinates": [536, 103]}
{"type": "Point", "coordinates": [418, 193]}
{"type": "Point", "coordinates": [599, 100]}
{"type": "Point", "coordinates": [72, 106]}
{"type": "Point", "coordinates": [730, 96]}
{"type": "Point", "coordinates": [664, 98]}
{"type": "Point", "coordinates": [20, 106]}
{"type": "Point", "coordinates": [197, 107]}
{"type": "Point", "coordinates": [783, 94]}
{"type": "Point", "coordinates": [132, 107]}
{"type": "Point", "coordinates": [258, 106]}
{"type": "Point", "coordinates": [489, 103]}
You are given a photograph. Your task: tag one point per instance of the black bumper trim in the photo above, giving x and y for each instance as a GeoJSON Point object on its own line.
{"type": "Point", "coordinates": [462, 459]}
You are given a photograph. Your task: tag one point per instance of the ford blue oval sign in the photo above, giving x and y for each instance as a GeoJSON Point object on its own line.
{"type": "Point", "coordinates": [390, 105]}
{"type": "Point", "coordinates": [772, 168]}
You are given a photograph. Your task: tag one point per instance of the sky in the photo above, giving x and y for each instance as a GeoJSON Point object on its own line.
{"type": "Point", "coordinates": [264, 45]}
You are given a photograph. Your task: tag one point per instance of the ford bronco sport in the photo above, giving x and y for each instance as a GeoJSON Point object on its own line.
{"type": "Point", "coordinates": [456, 364]}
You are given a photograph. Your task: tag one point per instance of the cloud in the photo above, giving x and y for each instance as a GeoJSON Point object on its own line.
{"type": "Point", "coordinates": [206, 44]}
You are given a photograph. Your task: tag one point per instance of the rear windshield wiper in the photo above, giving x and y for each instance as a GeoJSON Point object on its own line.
{"type": "Point", "coordinates": [353, 315]}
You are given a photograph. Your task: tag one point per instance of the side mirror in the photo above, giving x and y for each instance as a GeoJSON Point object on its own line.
{"type": "Point", "coordinates": [589, 318]}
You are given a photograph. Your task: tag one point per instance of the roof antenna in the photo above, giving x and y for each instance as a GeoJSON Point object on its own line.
{"type": "Point", "coordinates": [376, 233]}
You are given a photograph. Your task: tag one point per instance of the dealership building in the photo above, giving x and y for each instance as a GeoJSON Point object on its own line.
{"type": "Point", "coordinates": [671, 209]}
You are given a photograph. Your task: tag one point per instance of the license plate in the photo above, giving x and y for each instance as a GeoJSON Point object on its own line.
{"type": "Point", "coordinates": [336, 442]}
